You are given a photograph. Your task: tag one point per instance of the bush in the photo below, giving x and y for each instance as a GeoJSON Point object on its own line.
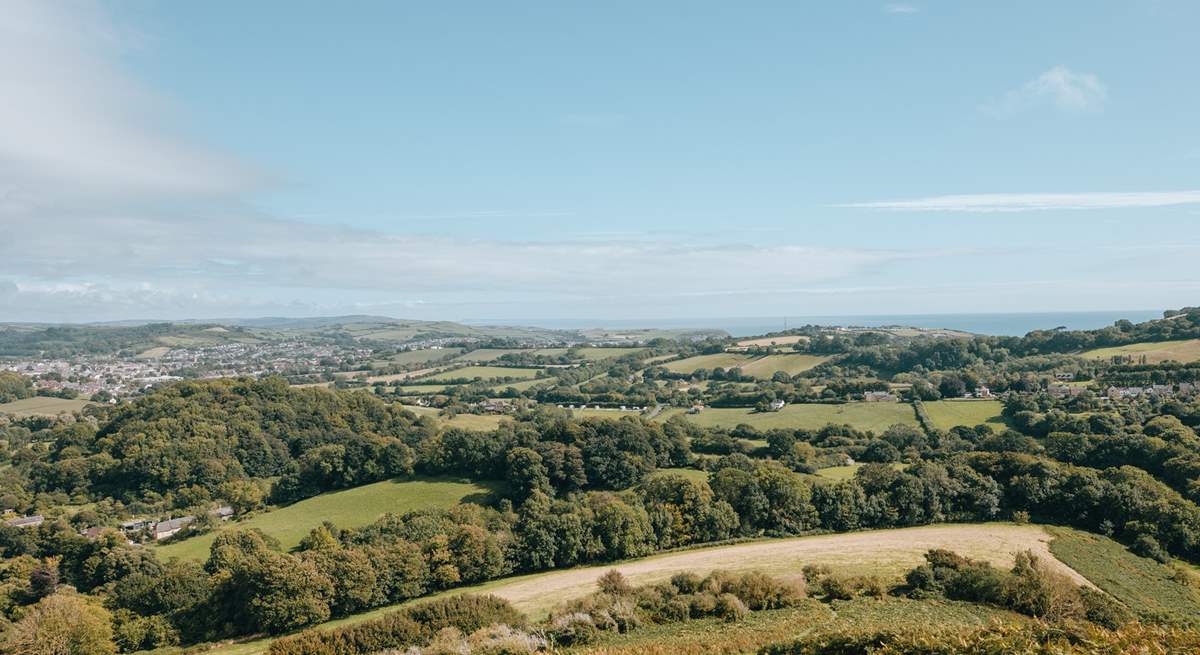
{"type": "Point", "coordinates": [614, 583]}
{"type": "Point", "coordinates": [405, 627]}
{"type": "Point", "coordinates": [1102, 609]}
{"type": "Point", "coordinates": [731, 608]}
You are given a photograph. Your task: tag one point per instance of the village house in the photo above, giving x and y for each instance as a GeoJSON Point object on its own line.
{"type": "Point", "coordinates": [1063, 390]}
{"type": "Point", "coordinates": [879, 397]}
{"type": "Point", "coordinates": [1064, 377]}
{"type": "Point", "coordinates": [983, 392]}
{"type": "Point", "coordinates": [777, 405]}
{"type": "Point", "coordinates": [165, 529]}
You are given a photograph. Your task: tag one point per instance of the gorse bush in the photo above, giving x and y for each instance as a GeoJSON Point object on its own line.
{"type": "Point", "coordinates": [407, 627]}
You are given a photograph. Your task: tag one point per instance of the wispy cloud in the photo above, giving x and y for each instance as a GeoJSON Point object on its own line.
{"type": "Point", "coordinates": [1022, 202]}
{"type": "Point", "coordinates": [1060, 87]}
{"type": "Point", "coordinates": [900, 8]}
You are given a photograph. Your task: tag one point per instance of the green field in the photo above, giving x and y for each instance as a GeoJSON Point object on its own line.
{"type": "Point", "coordinates": [839, 473]}
{"type": "Point", "coordinates": [476, 422]}
{"type": "Point", "coordinates": [947, 414]}
{"type": "Point", "coordinates": [43, 406]}
{"type": "Point", "coordinates": [1141, 583]}
{"type": "Point", "coordinates": [717, 360]}
{"type": "Point", "coordinates": [876, 417]}
{"type": "Point", "coordinates": [1184, 351]}
{"type": "Point", "coordinates": [422, 356]}
{"type": "Point", "coordinates": [422, 389]}
{"type": "Point", "coordinates": [602, 413]}
{"type": "Point", "coordinates": [488, 354]}
{"type": "Point", "coordinates": [347, 509]}
{"type": "Point", "coordinates": [486, 373]}
{"type": "Point", "coordinates": [695, 475]}
{"type": "Point", "coordinates": [789, 363]}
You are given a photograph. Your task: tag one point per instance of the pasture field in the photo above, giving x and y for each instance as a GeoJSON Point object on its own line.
{"type": "Point", "coordinates": [1141, 583]}
{"type": "Point", "coordinates": [422, 389]}
{"type": "Point", "coordinates": [947, 414]}
{"type": "Point", "coordinates": [348, 508]}
{"type": "Point", "coordinates": [522, 385]}
{"type": "Point", "coordinates": [422, 356]}
{"type": "Point", "coordinates": [886, 553]}
{"type": "Point", "coordinates": [603, 413]}
{"type": "Point", "coordinates": [43, 406]}
{"type": "Point", "coordinates": [690, 474]}
{"type": "Point", "coordinates": [488, 354]}
{"type": "Point", "coordinates": [791, 363]}
{"type": "Point", "coordinates": [475, 422]}
{"type": "Point", "coordinates": [486, 373]}
{"type": "Point", "coordinates": [839, 473]}
{"type": "Point", "coordinates": [1184, 351]}
{"type": "Point", "coordinates": [876, 417]}
{"type": "Point", "coordinates": [772, 341]}
{"type": "Point", "coordinates": [153, 353]}
{"type": "Point", "coordinates": [716, 360]}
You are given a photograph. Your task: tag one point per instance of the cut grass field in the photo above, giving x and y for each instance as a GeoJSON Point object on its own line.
{"type": "Point", "coordinates": [839, 473]}
{"type": "Point", "coordinates": [489, 354]}
{"type": "Point", "coordinates": [349, 508]}
{"type": "Point", "coordinates": [716, 360]}
{"type": "Point", "coordinates": [1141, 583]}
{"type": "Point", "coordinates": [885, 553]}
{"type": "Point", "coordinates": [42, 406]}
{"type": "Point", "coordinates": [486, 373]}
{"type": "Point", "coordinates": [1185, 351]}
{"type": "Point", "coordinates": [773, 341]}
{"type": "Point", "coordinates": [947, 414]}
{"type": "Point", "coordinates": [876, 417]}
{"type": "Point", "coordinates": [791, 363]}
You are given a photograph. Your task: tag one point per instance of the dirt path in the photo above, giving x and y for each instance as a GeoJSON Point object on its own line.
{"type": "Point", "coordinates": [888, 553]}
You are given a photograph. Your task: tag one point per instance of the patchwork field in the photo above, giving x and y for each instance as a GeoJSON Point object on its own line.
{"type": "Point", "coordinates": [43, 406]}
{"type": "Point", "coordinates": [422, 356]}
{"type": "Point", "coordinates": [1184, 351]}
{"type": "Point", "coordinates": [789, 363]}
{"type": "Point", "coordinates": [947, 414]}
{"type": "Point", "coordinates": [717, 360]}
{"type": "Point", "coordinates": [486, 373]}
{"type": "Point", "coordinates": [876, 417]}
{"type": "Point", "coordinates": [349, 508]}
{"type": "Point", "coordinates": [488, 354]}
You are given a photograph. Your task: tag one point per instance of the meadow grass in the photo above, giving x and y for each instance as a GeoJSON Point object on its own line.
{"type": "Point", "coordinates": [43, 406]}
{"type": "Point", "coordinates": [716, 360]}
{"type": "Point", "coordinates": [349, 508]}
{"type": "Point", "coordinates": [489, 354]}
{"type": "Point", "coordinates": [475, 422]}
{"type": "Point", "coordinates": [1141, 583]}
{"type": "Point", "coordinates": [947, 414]}
{"type": "Point", "coordinates": [694, 475]}
{"type": "Point", "coordinates": [790, 363]}
{"type": "Point", "coordinates": [876, 417]}
{"type": "Point", "coordinates": [839, 473]}
{"type": "Point", "coordinates": [485, 373]}
{"type": "Point", "coordinates": [1184, 351]}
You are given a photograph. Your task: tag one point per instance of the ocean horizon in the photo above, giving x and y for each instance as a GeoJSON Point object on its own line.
{"type": "Point", "coordinates": [992, 324]}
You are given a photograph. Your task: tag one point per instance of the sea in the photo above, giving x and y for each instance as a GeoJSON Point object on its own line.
{"type": "Point", "coordinates": [998, 324]}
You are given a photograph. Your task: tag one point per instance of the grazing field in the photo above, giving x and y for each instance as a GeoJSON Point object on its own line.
{"type": "Point", "coordinates": [1184, 351]}
{"type": "Point", "coordinates": [691, 474]}
{"type": "Point", "coordinates": [886, 553]}
{"type": "Point", "coordinates": [488, 354]}
{"type": "Point", "coordinates": [1139, 582]}
{"type": "Point", "coordinates": [717, 360]}
{"type": "Point", "coordinates": [422, 356]}
{"type": "Point", "coordinates": [947, 414]}
{"type": "Point", "coordinates": [422, 389]}
{"type": "Point", "coordinates": [790, 363]}
{"type": "Point", "coordinates": [486, 373]}
{"type": "Point", "coordinates": [347, 509]}
{"type": "Point", "coordinates": [772, 341]}
{"type": "Point", "coordinates": [839, 473]}
{"type": "Point", "coordinates": [876, 417]}
{"type": "Point", "coordinates": [153, 353]}
{"type": "Point", "coordinates": [43, 406]}
{"type": "Point", "coordinates": [475, 422]}
{"type": "Point", "coordinates": [603, 413]}
{"type": "Point", "coordinates": [522, 385]}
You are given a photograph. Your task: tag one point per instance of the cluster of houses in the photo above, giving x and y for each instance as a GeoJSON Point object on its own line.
{"type": "Point", "coordinates": [159, 530]}
{"type": "Point", "coordinates": [880, 397]}
{"type": "Point", "coordinates": [1160, 390]}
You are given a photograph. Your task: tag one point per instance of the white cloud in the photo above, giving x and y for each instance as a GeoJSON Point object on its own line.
{"type": "Point", "coordinates": [1020, 202]}
{"type": "Point", "coordinates": [900, 8]}
{"type": "Point", "coordinates": [1059, 87]}
{"type": "Point", "coordinates": [71, 119]}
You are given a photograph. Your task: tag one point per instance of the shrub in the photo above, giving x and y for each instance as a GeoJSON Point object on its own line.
{"type": "Point", "coordinates": [1102, 609]}
{"type": "Point", "coordinates": [686, 583]}
{"type": "Point", "coordinates": [614, 583]}
{"type": "Point", "coordinates": [731, 608]}
{"type": "Point", "coordinates": [836, 588]}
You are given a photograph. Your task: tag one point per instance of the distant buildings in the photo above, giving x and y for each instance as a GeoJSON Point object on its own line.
{"type": "Point", "coordinates": [777, 405]}
{"type": "Point", "coordinates": [879, 397]}
{"type": "Point", "coordinates": [26, 521]}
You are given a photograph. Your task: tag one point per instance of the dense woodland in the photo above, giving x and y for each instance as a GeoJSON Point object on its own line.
{"type": "Point", "coordinates": [575, 491]}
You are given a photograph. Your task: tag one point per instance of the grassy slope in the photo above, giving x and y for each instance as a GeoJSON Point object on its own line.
{"type": "Point", "coordinates": [846, 472]}
{"type": "Point", "coordinates": [947, 414]}
{"type": "Point", "coordinates": [773, 626]}
{"type": "Point", "coordinates": [718, 360]}
{"type": "Point", "coordinates": [477, 422]}
{"type": "Point", "coordinates": [1139, 582]}
{"type": "Point", "coordinates": [349, 508]}
{"type": "Point", "coordinates": [864, 416]}
{"type": "Point", "coordinates": [489, 354]}
{"type": "Point", "coordinates": [42, 406]}
{"type": "Point", "coordinates": [1186, 350]}
{"type": "Point", "coordinates": [887, 553]}
{"type": "Point", "coordinates": [790, 363]}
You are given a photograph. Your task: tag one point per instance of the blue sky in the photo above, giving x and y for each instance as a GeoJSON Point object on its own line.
{"type": "Point", "coordinates": [528, 160]}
